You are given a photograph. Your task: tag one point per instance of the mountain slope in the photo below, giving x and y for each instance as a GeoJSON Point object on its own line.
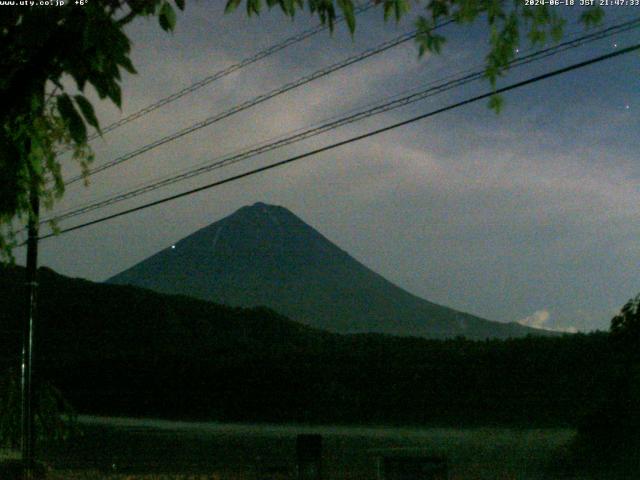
{"type": "Point", "coordinates": [122, 350]}
{"type": "Point", "coordinates": [266, 255]}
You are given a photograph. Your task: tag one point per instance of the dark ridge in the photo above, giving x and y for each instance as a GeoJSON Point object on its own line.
{"type": "Point", "coordinates": [122, 350]}
{"type": "Point", "coordinates": [265, 255]}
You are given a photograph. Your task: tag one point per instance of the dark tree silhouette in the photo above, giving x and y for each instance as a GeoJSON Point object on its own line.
{"type": "Point", "coordinates": [625, 332]}
{"type": "Point", "coordinates": [625, 327]}
{"type": "Point", "coordinates": [609, 436]}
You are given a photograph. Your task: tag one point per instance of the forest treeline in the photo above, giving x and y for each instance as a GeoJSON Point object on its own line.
{"type": "Point", "coordinates": [121, 350]}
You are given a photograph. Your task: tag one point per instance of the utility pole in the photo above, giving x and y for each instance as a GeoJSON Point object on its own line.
{"type": "Point", "coordinates": [27, 432]}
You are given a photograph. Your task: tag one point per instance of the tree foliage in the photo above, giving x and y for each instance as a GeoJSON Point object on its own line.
{"type": "Point", "coordinates": [124, 350]}
{"type": "Point", "coordinates": [510, 22]}
{"type": "Point", "coordinates": [625, 331]}
{"type": "Point", "coordinates": [610, 433]}
{"type": "Point", "coordinates": [54, 418]}
{"type": "Point", "coordinates": [626, 324]}
{"type": "Point", "coordinates": [41, 47]}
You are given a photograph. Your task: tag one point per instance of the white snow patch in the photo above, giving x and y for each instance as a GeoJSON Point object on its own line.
{"type": "Point", "coordinates": [539, 319]}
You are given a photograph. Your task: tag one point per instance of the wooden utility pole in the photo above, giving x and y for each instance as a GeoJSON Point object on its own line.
{"type": "Point", "coordinates": [27, 432]}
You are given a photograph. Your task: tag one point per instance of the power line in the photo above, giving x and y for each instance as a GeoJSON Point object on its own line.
{"type": "Point", "coordinates": [287, 42]}
{"type": "Point", "coordinates": [322, 128]}
{"type": "Point", "coordinates": [330, 125]}
{"type": "Point", "coordinates": [255, 101]}
{"type": "Point", "coordinates": [476, 98]}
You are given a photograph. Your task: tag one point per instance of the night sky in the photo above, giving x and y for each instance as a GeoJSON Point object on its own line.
{"type": "Point", "coordinates": [530, 215]}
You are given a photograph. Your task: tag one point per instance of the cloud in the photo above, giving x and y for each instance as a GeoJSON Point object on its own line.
{"type": "Point", "coordinates": [539, 319]}
{"type": "Point", "coordinates": [536, 320]}
{"type": "Point", "coordinates": [486, 213]}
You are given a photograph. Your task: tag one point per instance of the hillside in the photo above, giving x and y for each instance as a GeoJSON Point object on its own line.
{"type": "Point", "coordinates": [128, 351]}
{"type": "Point", "coordinates": [264, 255]}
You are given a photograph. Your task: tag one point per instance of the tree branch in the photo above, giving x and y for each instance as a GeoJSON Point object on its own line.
{"type": "Point", "coordinates": [126, 19]}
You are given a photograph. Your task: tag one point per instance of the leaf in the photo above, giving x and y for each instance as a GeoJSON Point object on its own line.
{"type": "Point", "coordinates": [436, 43]}
{"type": "Point", "coordinates": [127, 65]}
{"type": "Point", "coordinates": [349, 14]}
{"type": "Point", "coordinates": [87, 112]}
{"type": "Point", "coordinates": [388, 9]}
{"type": "Point", "coordinates": [53, 225]}
{"type": "Point", "coordinates": [100, 84]}
{"type": "Point", "coordinates": [439, 9]}
{"type": "Point", "coordinates": [253, 6]}
{"type": "Point", "coordinates": [72, 119]}
{"type": "Point", "coordinates": [288, 7]}
{"type": "Point", "coordinates": [115, 94]}
{"type": "Point", "coordinates": [592, 17]}
{"type": "Point", "coordinates": [496, 102]}
{"type": "Point", "coordinates": [537, 36]}
{"type": "Point", "coordinates": [36, 103]}
{"type": "Point", "coordinates": [180, 4]}
{"type": "Point", "coordinates": [167, 17]}
{"type": "Point", "coordinates": [232, 5]}
{"type": "Point", "coordinates": [557, 30]}
{"type": "Point", "coordinates": [467, 12]}
{"type": "Point", "coordinates": [35, 158]}
{"type": "Point", "coordinates": [426, 39]}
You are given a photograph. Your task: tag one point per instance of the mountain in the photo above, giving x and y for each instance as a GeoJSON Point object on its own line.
{"type": "Point", "coordinates": [116, 349]}
{"type": "Point", "coordinates": [123, 350]}
{"type": "Point", "coordinates": [264, 255]}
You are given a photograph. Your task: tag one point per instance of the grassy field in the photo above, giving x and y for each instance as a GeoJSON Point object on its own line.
{"type": "Point", "coordinates": [120, 449]}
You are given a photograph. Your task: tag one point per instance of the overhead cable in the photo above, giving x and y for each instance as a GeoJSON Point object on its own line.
{"type": "Point", "coordinates": [356, 138]}
{"type": "Point", "coordinates": [345, 120]}
{"type": "Point", "coordinates": [253, 102]}
{"type": "Point", "coordinates": [287, 42]}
